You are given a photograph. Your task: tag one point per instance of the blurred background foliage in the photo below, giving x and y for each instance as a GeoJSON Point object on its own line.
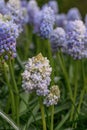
{"type": "Point", "coordinates": [65, 5]}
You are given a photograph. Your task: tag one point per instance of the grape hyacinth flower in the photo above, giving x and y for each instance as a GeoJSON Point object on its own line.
{"type": "Point", "coordinates": [53, 96]}
{"type": "Point", "coordinates": [48, 15]}
{"type": "Point", "coordinates": [54, 5]}
{"type": "Point", "coordinates": [47, 22]}
{"type": "Point", "coordinates": [33, 9]}
{"type": "Point", "coordinates": [61, 20]}
{"type": "Point", "coordinates": [18, 13]}
{"type": "Point", "coordinates": [75, 39]}
{"type": "Point", "coordinates": [73, 14]}
{"type": "Point", "coordinates": [37, 22]}
{"type": "Point", "coordinates": [36, 76]}
{"type": "Point", "coordinates": [57, 39]}
{"type": "Point", "coordinates": [8, 35]}
{"type": "Point", "coordinates": [45, 30]}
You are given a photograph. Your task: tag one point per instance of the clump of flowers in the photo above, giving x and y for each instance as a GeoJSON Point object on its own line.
{"type": "Point", "coordinates": [47, 22]}
{"type": "Point", "coordinates": [53, 96]}
{"type": "Point", "coordinates": [8, 35]}
{"type": "Point", "coordinates": [36, 76]}
{"type": "Point", "coordinates": [18, 13]}
{"type": "Point", "coordinates": [54, 5]}
{"type": "Point", "coordinates": [57, 38]}
{"type": "Point", "coordinates": [75, 39]}
{"type": "Point", "coordinates": [61, 20]}
{"type": "Point", "coordinates": [37, 22]}
{"type": "Point", "coordinates": [33, 9]}
{"type": "Point", "coordinates": [73, 14]}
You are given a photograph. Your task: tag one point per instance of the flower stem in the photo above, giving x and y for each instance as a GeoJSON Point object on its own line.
{"type": "Point", "coordinates": [75, 89]}
{"type": "Point", "coordinates": [10, 91]}
{"type": "Point", "coordinates": [38, 45]}
{"type": "Point", "coordinates": [42, 113]}
{"type": "Point", "coordinates": [28, 41]}
{"type": "Point", "coordinates": [52, 117]}
{"type": "Point", "coordinates": [66, 76]}
{"type": "Point", "coordinates": [83, 90]}
{"type": "Point", "coordinates": [51, 61]}
{"type": "Point", "coordinates": [15, 89]}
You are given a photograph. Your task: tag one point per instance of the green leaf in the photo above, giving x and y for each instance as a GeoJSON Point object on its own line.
{"type": "Point", "coordinates": [63, 121]}
{"type": "Point", "coordinates": [9, 120]}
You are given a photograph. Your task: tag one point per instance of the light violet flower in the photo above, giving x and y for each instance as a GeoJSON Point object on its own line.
{"type": "Point", "coordinates": [36, 76]}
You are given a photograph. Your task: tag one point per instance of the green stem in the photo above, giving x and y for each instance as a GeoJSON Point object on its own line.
{"type": "Point", "coordinates": [42, 113]}
{"type": "Point", "coordinates": [66, 76]}
{"type": "Point", "coordinates": [51, 61]}
{"type": "Point", "coordinates": [52, 117]}
{"type": "Point", "coordinates": [83, 90]}
{"type": "Point", "coordinates": [28, 31]}
{"type": "Point", "coordinates": [38, 45]}
{"type": "Point", "coordinates": [10, 91]}
{"type": "Point", "coordinates": [15, 89]}
{"type": "Point", "coordinates": [75, 89]}
{"type": "Point", "coordinates": [7, 108]}
{"type": "Point", "coordinates": [4, 116]}
{"type": "Point", "coordinates": [19, 62]}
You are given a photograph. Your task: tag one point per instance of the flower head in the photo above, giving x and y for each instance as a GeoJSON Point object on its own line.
{"type": "Point", "coordinates": [75, 39]}
{"type": "Point", "coordinates": [73, 14]}
{"type": "Point", "coordinates": [61, 20]}
{"type": "Point", "coordinates": [8, 35]}
{"type": "Point", "coordinates": [45, 30]}
{"type": "Point", "coordinates": [36, 76]}
{"type": "Point", "coordinates": [18, 13]}
{"type": "Point", "coordinates": [57, 38]}
{"type": "Point", "coordinates": [53, 96]}
{"type": "Point", "coordinates": [48, 15]}
{"type": "Point", "coordinates": [37, 22]}
{"type": "Point", "coordinates": [32, 10]}
{"type": "Point", "coordinates": [47, 22]}
{"type": "Point", "coordinates": [54, 5]}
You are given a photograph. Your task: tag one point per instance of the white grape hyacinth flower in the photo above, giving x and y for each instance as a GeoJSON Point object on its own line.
{"type": "Point", "coordinates": [53, 96]}
{"type": "Point", "coordinates": [36, 76]}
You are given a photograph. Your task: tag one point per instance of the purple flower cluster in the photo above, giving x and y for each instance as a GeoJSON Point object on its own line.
{"type": "Point", "coordinates": [47, 22]}
{"type": "Point", "coordinates": [72, 41]}
{"type": "Point", "coordinates": [65, 31]}
{"type": "Point", "coordinates": [12, 18]}
{"type": "Point", "coordinates": [18, 13]}
{"type": "Point", "coordinates": [61, 20]}
{"type": "Point", "coordinates": [53, 4]}
{"type": "Point", "coordinates": [57, 38]}
{"type": "Point", "coordinates": [73, 14]}
{"type": "Point", "coordinates": [42, 19]}
{"type": "Point", "coordinates": [45, 30]}
{"type": "Point", "coordinates": [33, 9]}
{"type": "Point", "coordinates": [75, 36]}
{"type": "Point", "coordinates": [8, 35]}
